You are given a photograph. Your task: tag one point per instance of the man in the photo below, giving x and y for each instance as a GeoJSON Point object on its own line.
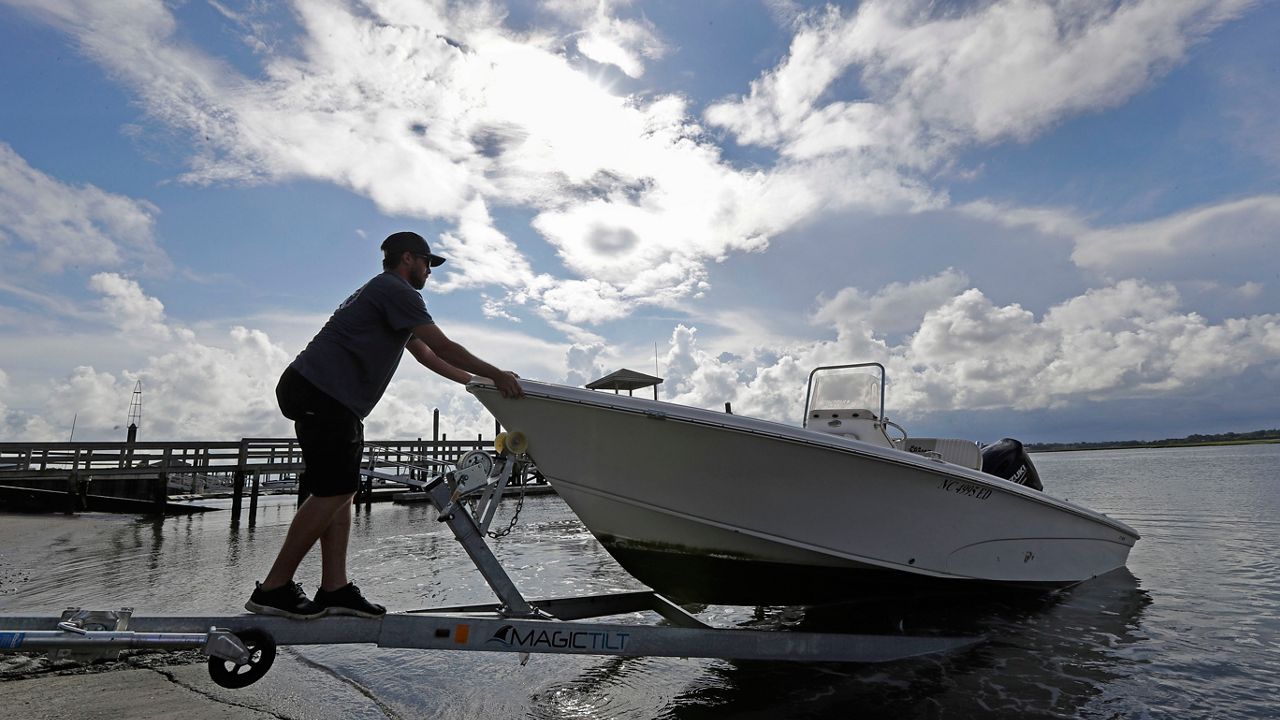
{"type": "Point", "coordinates": [327, 391]}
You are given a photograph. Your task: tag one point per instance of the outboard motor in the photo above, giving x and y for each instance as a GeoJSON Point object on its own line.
{"type": "Point", "coordinates": [1009, 460]}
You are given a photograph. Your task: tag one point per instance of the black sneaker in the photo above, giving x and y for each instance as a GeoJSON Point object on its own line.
{"type": "Point", "coordinates": [288, 600]}
{"type": "Point", "coordinates": [347, 600]}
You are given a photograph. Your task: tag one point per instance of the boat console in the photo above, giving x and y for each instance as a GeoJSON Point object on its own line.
{"type": "Point", "coordinates": [840, 401]}
{"type": "Point", "coordinates": [857, 424]}
{"type": "Point", "coordinates": [848, 400]}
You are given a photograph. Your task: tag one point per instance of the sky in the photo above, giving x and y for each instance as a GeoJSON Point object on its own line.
{"type": "Point", "coordinates": [1053, 220]}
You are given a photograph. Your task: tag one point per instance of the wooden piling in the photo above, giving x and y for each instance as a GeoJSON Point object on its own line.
{"type": "Point", "coordinates": [253, 498]}
{"type": "Point", "coordinates": [435, 434]}
{"type": "Point", "coordinates": [237, 490]}
{"type": "Point", "coordinates": [160, 491]}
{"type": "Point", "coordinates": [73, 493]}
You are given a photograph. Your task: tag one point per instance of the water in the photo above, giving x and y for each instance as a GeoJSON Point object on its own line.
{"type": "Point", "coordinates": [1192, 629]}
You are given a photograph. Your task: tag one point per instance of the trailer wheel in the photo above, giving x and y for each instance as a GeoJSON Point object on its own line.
{"type": "Point", "coordinates": [262, 652]}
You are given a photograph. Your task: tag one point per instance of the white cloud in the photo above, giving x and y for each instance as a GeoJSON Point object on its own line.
{"type": "Point", "coordinates": [1129, 340]}
{"type": "Point", "coordinates": [1233, 235]}
{"type": "Point", "coordinates": [1249, 290]}
{"type": "Point", "coordinates": [19, 425]}
{"type": "Point", "coordinates": [784, 12]}
{"type": "Point", "coordinates": [682, 361]}
{"type": "Point", "coordinates": [607, 39]}
{"type": "Point", "coordinates": [48, 226]}
{"type": "Point", "coordinates": [192, 389]}
{"type": "Point", "coordinates": [255, 32]}
{"type": "Point", "coordinates": [768, 389]}
{"type": "Point", "coordinates": [1220, 254]}
{"type": "Point", "coordinates": [128, 307]}
{"type": "Point", "coordinates": [895, 308]}
{"type": "Point", "coordinates": [583, 362]}
{"type": "Point", "coordinates": [480, 255]}
{"type": "Point", "coordinates": [436, 110]}
{"type": "Point", "coordinates": [1046, 220]}
{"type": "Point", "coordinates": [220, 383]}
{"type": "Point", "coordinates": [439, 111]}
{"type": "Point", "coordinates": [938, 78]}
{"type": "Point", "coordinates": [50, 305]}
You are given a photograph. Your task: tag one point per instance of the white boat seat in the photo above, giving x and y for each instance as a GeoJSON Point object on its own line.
{"type": "Point", "coordinates": [965, 453]}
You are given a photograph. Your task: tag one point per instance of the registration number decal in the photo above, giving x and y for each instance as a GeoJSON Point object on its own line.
{"type": "Point", "coordinates": [967, 489]}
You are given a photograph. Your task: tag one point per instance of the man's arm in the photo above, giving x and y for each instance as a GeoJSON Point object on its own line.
{"type": "Point", "coordinates": [432, 362]}
{"type": "Point", "coordinates": [461, 358]}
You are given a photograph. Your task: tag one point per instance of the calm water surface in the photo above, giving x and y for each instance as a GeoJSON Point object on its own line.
{"type": "Point", "coordinates": [1191, 629]}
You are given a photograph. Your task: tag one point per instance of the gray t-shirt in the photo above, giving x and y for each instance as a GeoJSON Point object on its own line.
{"type": "Point", "coordinates": [357, 351]}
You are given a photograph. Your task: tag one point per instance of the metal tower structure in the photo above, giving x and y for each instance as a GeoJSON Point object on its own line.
{"type": "Point", "coordinates": [135, 411]}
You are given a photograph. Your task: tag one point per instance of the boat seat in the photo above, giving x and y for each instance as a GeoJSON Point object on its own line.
{"type": "Point", "coordinates": [965, 453]}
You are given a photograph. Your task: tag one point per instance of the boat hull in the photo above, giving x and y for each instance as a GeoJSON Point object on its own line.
{"type": "Point", "coordinates": [717, 508]}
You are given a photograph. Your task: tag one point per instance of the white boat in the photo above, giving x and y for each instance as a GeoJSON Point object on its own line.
{"type": "Point", "coordinates": [712, 507]}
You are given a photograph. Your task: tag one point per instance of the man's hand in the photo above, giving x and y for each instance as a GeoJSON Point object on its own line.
{"type": "Point", "coordinates": [508, 385]}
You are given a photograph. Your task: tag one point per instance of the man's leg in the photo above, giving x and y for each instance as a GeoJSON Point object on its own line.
{"type": "Point", "coordinates": [337, 594]}
{"type": "Point", "coordinates": [314, 520]}
{"type": "Point", "coordinates": [333, 549]}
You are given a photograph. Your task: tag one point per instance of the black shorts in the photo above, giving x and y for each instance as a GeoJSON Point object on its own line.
{"type": "Point", "coordinates": [331, 436]}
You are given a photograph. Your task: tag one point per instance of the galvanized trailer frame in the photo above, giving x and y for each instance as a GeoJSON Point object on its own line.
{"type": "Point", "coordinates": [242, 647]}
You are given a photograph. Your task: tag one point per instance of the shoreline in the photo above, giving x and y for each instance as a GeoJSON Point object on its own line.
{"type": "Point", "coordinates": [1157, 445]}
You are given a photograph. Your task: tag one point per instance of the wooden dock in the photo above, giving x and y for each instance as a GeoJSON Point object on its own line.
{"type": "Point", "coordinates": [136, 476]}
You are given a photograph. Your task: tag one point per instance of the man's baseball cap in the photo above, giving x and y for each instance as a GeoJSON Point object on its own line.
{"type": "Point", "coordinates": [397, 243]}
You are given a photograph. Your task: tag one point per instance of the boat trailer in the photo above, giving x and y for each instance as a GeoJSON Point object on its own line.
{"type": "Point", "coordinates": [241, 648]}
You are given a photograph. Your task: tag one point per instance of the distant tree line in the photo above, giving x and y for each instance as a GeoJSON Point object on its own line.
{"type": "Point", "coordinates": [1230, 438]}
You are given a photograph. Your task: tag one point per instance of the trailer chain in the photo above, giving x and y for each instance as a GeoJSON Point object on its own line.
{"type": "Point", "coordinates": [515, 517]}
